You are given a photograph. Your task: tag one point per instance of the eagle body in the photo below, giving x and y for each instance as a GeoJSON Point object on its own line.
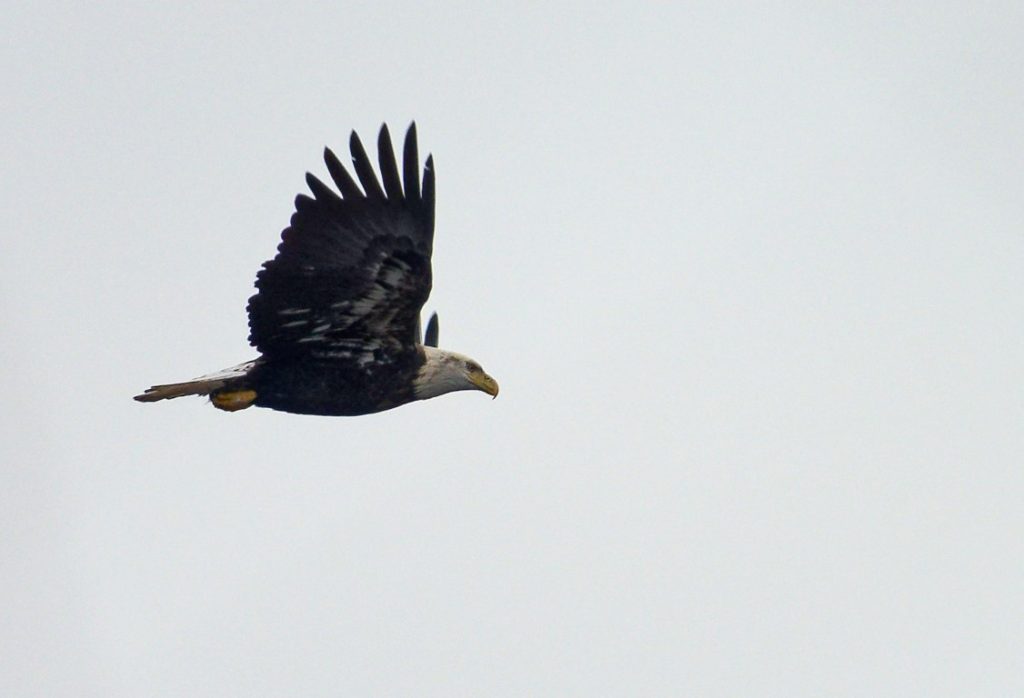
{"type": "Point", "coordinates": [322, 387]}
{"type": "Point", "coordinates": [336, 316]}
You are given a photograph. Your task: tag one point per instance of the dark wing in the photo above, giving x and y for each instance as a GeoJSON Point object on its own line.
{"type": "Point", "coordinates": [351, 272]}
{"type": "Point", "coordinates": [433, 330]}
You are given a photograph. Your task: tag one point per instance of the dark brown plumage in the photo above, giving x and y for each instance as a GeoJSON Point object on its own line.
{"type": "Point", "coordinates": [336, 315]}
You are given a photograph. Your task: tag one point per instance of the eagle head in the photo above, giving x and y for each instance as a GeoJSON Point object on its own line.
{"type": "Point", "coordinates": [445, 371]}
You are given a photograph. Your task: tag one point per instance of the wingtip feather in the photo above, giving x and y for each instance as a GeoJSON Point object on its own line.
{"type": "Point", "coordinates": [364, 169]}
{"type": "Point", "coordinates": [342, 179]}
{"type": "Point", "coordinates": [388, 165]}
{"type": "Point", "coordinates": [320, 190]}
{"type": "Point", "coordinates": [411, 164]}
{"type": "Point", "coordinates": [433, 331]}
{"type": "Point", "coordinates": [428, 182]}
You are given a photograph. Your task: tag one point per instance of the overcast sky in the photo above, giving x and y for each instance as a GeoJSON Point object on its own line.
{"type": "Point", "coordinates": [750, 277]}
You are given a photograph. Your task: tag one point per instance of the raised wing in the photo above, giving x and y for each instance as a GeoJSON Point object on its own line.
{"type": "Point", "coordinates": [352, 271]}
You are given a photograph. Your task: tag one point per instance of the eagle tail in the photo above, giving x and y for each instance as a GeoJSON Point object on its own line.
{"type": "Point", "coordinates": [170, 391]}
{"type": "Point", "coordinates": [204, 385]}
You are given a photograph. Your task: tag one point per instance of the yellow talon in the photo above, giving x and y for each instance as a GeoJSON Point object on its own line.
{"type": "Point", "coordinates": [234, 400]}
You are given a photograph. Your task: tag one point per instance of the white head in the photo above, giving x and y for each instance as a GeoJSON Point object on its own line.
{"type": "Point", "coordinates": [445, 371]}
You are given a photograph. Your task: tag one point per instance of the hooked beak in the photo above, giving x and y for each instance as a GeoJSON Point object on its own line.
{"type": "Point", "coordinates": [485, 383]}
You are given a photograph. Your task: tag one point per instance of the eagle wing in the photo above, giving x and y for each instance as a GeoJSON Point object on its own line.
{"type": "Point", "coordinates": [352, 271]}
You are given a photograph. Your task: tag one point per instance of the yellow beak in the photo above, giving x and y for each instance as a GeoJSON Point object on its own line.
{"type": "Point", "coordinates": [485, 383]}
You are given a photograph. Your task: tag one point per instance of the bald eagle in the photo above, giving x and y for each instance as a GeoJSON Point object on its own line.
{"type": "Point", "coordinates": [336, 316]}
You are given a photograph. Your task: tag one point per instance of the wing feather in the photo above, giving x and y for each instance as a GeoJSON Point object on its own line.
{"type": "Point", "coordinates": [364, 168]}
{"type": "Point", "coordinates": [388, 166]}
{"type": "Point", "coordinates": [321, 190]}
{"type": "Point", "coordinates": [427, 197]}
{"type": "Point", "coordinates": [348, 187]}
{"type": "Point", "coordinates": [352, 272]}
{"type": "Point", "coordinates": [411, 164]}
{"type": "Point", "coordinates": [433, 331]}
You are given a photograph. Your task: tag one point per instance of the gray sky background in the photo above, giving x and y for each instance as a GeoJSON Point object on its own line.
{"type": "Point", "coordinates": [750, 277]}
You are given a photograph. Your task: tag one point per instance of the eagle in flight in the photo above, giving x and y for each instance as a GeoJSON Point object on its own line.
{"type": "Point", "coordinates": [336, 316]}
